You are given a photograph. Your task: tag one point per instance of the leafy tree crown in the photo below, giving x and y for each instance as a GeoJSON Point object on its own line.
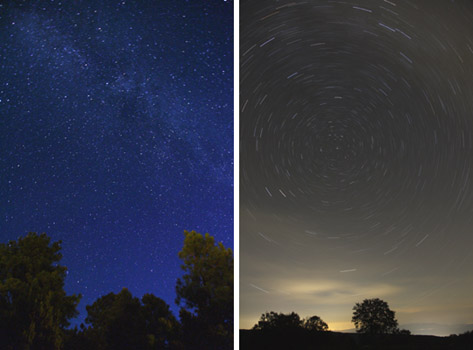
{"type": "Point", "coordinates": [205, 292]}
{"type": "Point", "coordinates": [207, 285]}
{"type": "Point", "coordinates": [34, 308]}
{"type": "Point", "coordinates": [315, 323]}
{"type": "Point", "coordinates": [373, 316]}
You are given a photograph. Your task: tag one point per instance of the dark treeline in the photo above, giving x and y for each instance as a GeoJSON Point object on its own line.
{"type": "Point", "coordinates": [35, 310]}
{"type": "Point", "coordinates": [302, 339]}
{"type": "Point", "coordinates": [376, 326]}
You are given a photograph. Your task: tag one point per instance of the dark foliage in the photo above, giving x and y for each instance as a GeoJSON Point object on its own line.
{"type": "Point", "coordinates": [205, 293]}
{"type": "Point", "coordinates": [314, 323]}
{"type": "Point", "coordinates": [162, 328]}
{"type": "Point", "coordinates": [294, 338]}
{"type": "Point", "coordinates": [373, 316]}
{"type": "Point", "coordinates": [79, 339]}
{"type": "Point", "coordinates": [302, 339]}
{"type": "Point", "coordinates": [34, 308]}
{"type": "Point", "coordinates": [287, 322]}
{"type": "Point", "coordinates": [278, 321]}
{"type": "Point", "coordinates": [462, 341]}
{"type": "Point", "coordinates": [117, 322]}
{"type": "Point", "coordinates": [121, 321]}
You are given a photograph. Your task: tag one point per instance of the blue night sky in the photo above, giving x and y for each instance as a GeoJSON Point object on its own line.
{"type": "Point", "coordinates": [116, 135]}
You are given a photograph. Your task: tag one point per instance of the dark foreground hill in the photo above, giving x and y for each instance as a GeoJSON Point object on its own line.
{"type": "Point", "coordinates": [301, 339]}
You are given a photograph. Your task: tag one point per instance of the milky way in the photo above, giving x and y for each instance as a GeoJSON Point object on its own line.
{"type": "Point", "coordinates": [116, 124]}
{"type": "Point", "coordinates": [356, 153]}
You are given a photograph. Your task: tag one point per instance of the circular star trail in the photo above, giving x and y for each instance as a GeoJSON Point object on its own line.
{"type": "Point", "coordinates": [356, 146]}
{"type": "Point", "coordinates": [116, 125]}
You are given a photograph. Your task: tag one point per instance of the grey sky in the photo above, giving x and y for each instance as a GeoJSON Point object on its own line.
{"type": "Point", "coordinates": [356, 148]}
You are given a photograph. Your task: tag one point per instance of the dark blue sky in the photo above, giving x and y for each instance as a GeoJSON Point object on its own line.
{"type": "Point", "coordinates": [116, 134]}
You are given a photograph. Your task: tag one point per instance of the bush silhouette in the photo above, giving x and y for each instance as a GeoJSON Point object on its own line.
{"type": "Point", "coordinates": [279, 321]}
{"type": "Point", "coordinates": [273, 320]}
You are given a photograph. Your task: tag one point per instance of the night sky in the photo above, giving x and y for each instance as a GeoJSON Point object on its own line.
{"type": "Point", "coordinates": [116, 135]}
{"type": "Point", "coordinates": [356, 151]}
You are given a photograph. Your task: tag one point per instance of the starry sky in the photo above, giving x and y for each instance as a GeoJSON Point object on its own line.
{"type": "Point", "coordinates": [356, 154]}
{"type": "Point", "coordinates": [116, 135]}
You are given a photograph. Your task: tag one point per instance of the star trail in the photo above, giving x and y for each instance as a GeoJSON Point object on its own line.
{"type": "Point", "coordinates": [356, 152]}
{"type": "Point", "coordinates": [116, 125]}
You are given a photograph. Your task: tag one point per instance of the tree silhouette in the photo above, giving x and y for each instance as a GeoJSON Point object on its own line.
{"type": "Point", "coordinates": [162, 328]}
{"type": "Point", "coordinates": [121, 321]}
{"type": "Point", "coordinates": [278, 321]}
{"type": "Point", "coordinates": [34, 308]}
{"type": "Point", "coordinates": [373, 316]}
{"type": "Point", "coordinates": [205, 293]}
{"type": "Point", "coordinates": [117, 322]}
{"type": "Point", "coordinates": [314, 323]}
